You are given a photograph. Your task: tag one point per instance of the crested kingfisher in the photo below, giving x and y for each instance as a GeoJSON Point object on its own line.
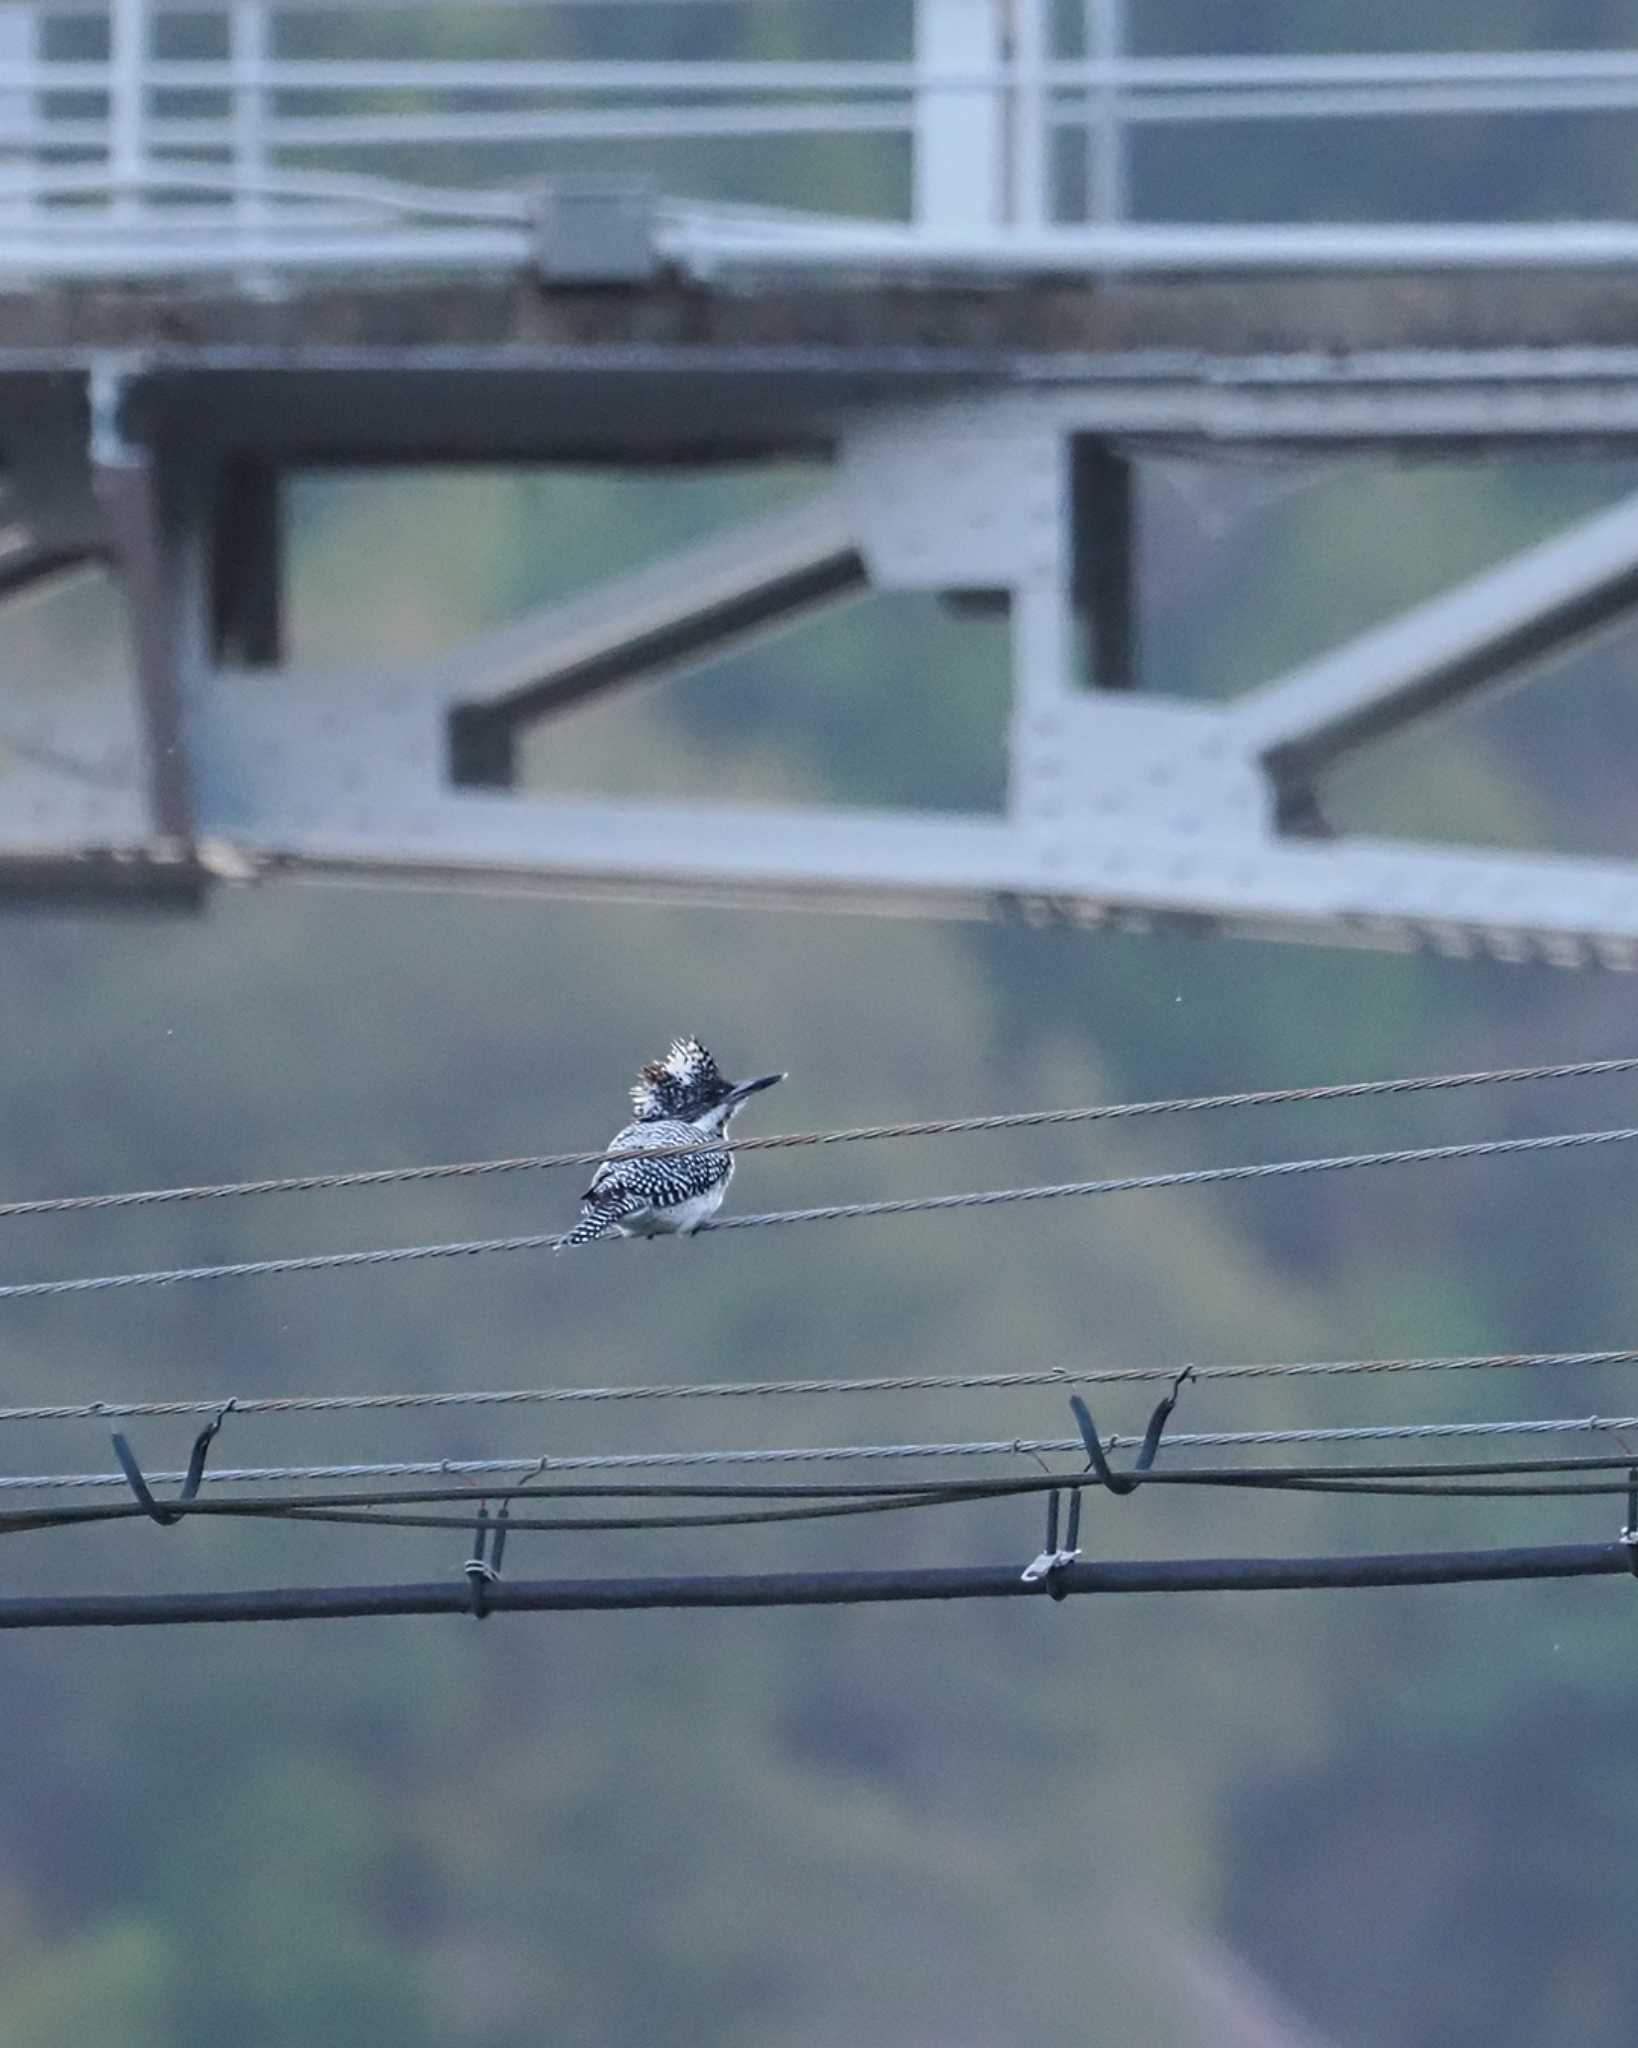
{"type": "Point", "coordinates": [677, 1101]}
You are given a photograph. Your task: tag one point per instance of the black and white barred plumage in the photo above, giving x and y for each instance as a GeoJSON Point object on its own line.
{"type": "Point", "coordinates": [677, 1101]}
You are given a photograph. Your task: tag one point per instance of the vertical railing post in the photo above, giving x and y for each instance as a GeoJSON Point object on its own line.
{"type": "Point", "coordinates": [248, 50]}
{"type": "Point", "coordinates": [1106, 194]}
{"type": "Point", "coordinates": [21, 109]}
{"type": "Point", "coordinates": [959, 177]}
{"type": "Point", "coordinates": [128, 28]}
{"type": "Point", "coordinates": [1030, 199]}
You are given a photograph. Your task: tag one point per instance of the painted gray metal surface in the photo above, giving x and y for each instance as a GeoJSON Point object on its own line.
{"type": "Point", "coordinates": [955, 469]}
{"type": "Point", "coordinates": [1542, 602]}
{"type": "Point", "coordinates": [1122, 808]}
{"type": "Point", "coordinates": [733, 587]}
{"type": "Point", "coordinates": [392, 402]}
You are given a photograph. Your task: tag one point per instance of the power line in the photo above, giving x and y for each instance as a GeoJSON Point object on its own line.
{"type": "Point", "coordinates": [886, 1383]}
{"type": "Point", "coordinates": [1201, 1176]}
{"type": "Point", "coordinates": [395, 1176]}
{"type": "Point", "coordinates": [1507, 1479]}
{"type": "Point", "coordinates": [982, 1198]}
{"type": "Point", "coordinates": [261, 1268]}
{"type": "Point", "coordinates": [1502, 1479]}
{"type": "Point", "coordinates": [631, 1461]}
{"type": "Point", "coordinates": [532, 1486]}
{"type": "Point", "coordinates": [382, 1513]}
{"type": "Point", "coordinates": [821, 1589]}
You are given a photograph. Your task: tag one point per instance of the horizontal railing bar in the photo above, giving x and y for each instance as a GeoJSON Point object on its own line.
{"type": "Point", "coordinates": [433, 129]}
{"type": "Point", "coordinates": [329, 131]}
{"type": "Point", "coordinates": [1064, 109]}
{"type": "Point", "coordinates": [1140, 81]}
{"type": "Point", "coordinates": [31, 244]}
{"type": "Point", "coordinates": [1202, 75]}
{"type": "Point", "coordinates": [1384, 68]}
{"type": "Point", "coordinates": [127, 253]}
{"type": "Point", "coordinates": [37, 129]}
{"type": "Point", "coordinates": [1358, 103]}
{"type": "Point", "coordinates": [455, 202]}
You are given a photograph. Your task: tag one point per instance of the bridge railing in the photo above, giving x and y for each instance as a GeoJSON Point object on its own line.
{"type": "Point", "coordinates": [148, 137]}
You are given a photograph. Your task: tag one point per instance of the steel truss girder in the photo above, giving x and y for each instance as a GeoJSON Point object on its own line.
{"type": "Point", "coordinates": [49, 523]}
{"type": "Point", "coordinates": [94, 797]}
{"type": "Point", "coordinates": [1387, 895]}
{"type": "Point", "coordinates": [1123, 806]}
{"type": "Point", "coordinates": [1495, 627]}
{"type": "Point", "coordinates": [509, 401]}
{"type": "Point", "coordinates": [735, 586]}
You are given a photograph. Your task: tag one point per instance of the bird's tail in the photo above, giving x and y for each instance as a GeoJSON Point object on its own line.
{"type": "Point", "coordinates": [597, 1219]}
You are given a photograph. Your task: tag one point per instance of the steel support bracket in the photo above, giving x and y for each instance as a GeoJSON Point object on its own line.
{"type": "Point", "coordinates": [601, 231]}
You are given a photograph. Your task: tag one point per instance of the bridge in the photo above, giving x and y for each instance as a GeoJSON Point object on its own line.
{"type": "Point", "coordinates": [241, 241]}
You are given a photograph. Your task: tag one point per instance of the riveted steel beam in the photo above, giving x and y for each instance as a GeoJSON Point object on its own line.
{"type": "Point", "coordinates": [1103, 514]}
{"type": "Point", "coordinates": [753, 579]}
{"type": "Point", "coordinates": [30, 570]}
{"type": "Point", "coordinates": [1371, 893]}
{"type": "Point", "coordinates": [1124, 807]}
{"type": "Point", "coordinates": [246, 564]}
{"type": "Point", "coordinates": [1489, 630]}
{"type": "Point", "coordinates": [143, 538]}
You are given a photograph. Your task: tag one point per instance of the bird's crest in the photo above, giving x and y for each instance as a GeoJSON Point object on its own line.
{"type": "Point", "coordinates": [677, 1085]}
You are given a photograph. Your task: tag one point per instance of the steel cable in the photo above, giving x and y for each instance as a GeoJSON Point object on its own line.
{"type": "Point", "coordinates": [808, 1589]}
{"type": "Point", "coordinates": [982, 1198]}
{"type": "Point", "coordinates": [887, 1383]}
{"type": "Point", "coordinates": [398, 1176]}
{"type": "Point", "coordinates": [633, 1461]}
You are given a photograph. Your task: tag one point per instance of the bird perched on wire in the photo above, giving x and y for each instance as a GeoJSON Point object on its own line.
{"type": "Point", "coordinates": [677, 1101]}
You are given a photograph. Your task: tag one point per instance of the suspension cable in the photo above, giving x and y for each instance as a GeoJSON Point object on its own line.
{"type": "Point", "coordinates": [1507, 1479]}
{"type": "Point", "coordinates": [1003, 1447]}
{"type": "Point", "coordinates": [394, 1176]}
{"type": "Point", "coordinates": [809, 1589]}
{"type": "Point", "coordinates": [983, 1198]}
{"type": "Point", "coordinates": [887, 1383]}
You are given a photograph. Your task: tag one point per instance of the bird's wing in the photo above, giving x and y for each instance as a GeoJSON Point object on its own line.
{"type": "Point", "coordinates": [634, 1138]}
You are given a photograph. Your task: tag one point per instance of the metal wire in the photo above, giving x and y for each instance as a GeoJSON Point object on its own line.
{"type": "Point", "coordinates": [396, 1176]}
{"type": "Point", "coordinates": [1004, 1447]}
{"type": "Point", "coordinates": [739, 1504]}
{"type": "Point", "coordinates": [383, 1513]}
{"type": "Point", "coordinates": [983, 1198]}
{"type": "Point", "coordinates": [261, 1268]}
{"type": "Point", "coordinates": [536, 1486]}
{"type": "Point", "coordinates": [470, 1517]}
{"type": "Point", "coordinates": [1517, 1478]}
{"type": "Point", "coordinates": [1202, 1176]}
{"type": "Point", "coordinates": [808, 1589]}
{"type": "Point", "coordinates": [887, 1383]}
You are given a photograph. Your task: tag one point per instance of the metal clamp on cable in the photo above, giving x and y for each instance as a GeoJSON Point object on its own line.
{"type": "Point", "coordinates": [483, 1571]}
{"type": "Point", "coordinates": [1629, 1535]}
{"type": "Point", "coordinates": [1051, 1562]}
{"type": "Point", "coordinates": [168, 1517]}
{"type": "Point", "coordinates": [1049, 1565]}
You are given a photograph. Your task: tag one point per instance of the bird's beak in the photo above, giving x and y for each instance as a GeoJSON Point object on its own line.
{"type": "Point", "coordinates": [741, 1089]}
